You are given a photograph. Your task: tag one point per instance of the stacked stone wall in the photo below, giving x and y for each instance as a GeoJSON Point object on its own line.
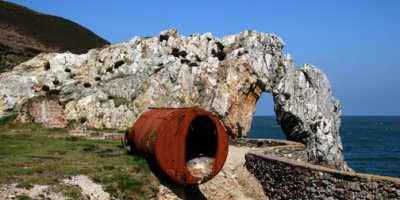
{"type": "Point", "coordinates": [283, 178]}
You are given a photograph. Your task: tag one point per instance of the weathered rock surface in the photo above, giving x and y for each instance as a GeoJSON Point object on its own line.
{"type": "Point", "coordinates": [46, 112]}
{"type": "Point", "coordinates": [112, 86]}
{"type": "Point", "coordinates": [308, 113]}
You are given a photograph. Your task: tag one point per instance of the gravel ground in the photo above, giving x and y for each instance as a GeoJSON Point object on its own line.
{"type": "Point", "coordinates": [232, 182]}
{"type": "Point", "coordinates": [10, 191]}
{"type": "Point", "coordinates": [89, 190]}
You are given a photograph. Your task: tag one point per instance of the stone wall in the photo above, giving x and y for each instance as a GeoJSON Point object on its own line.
{"type": "Point", "coordinates": [283, 178]}
{"type": "Point", "coordinates": [49, 113]}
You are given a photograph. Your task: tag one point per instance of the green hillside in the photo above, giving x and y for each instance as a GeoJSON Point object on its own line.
{"type": "Point", "coordinates": [24, 33]}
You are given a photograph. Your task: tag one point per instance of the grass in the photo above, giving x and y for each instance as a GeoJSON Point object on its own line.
{"type": "Point", "coordinates": [31, 155]}
{"type": "Point", "coordinates": [118, 101]}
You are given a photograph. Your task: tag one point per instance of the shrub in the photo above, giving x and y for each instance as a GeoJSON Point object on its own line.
{"type": "Point", "coordinates": [182, 54]}
{"type": "Point", "coordinates": [52, 94]}
{"type": "Point", "coordinates": [219, 54]}
{"type": "Point", "coordinates": [118, 64]}
{"type": "Point", "coordinates": [87, 85]}
{"type": "Point", "coordinates": [120, 101]}
{"type": "Point", "coordinates": [183, 61]}
{"type": "Point", "coordinates": [56, 82]}
{"type": "Point", "coordinates": [45, 88]}
{"type": "Point", "coordinates": [109, 70]}
{"type": "Point", "coordinates": [163, 37]}
{"type": "Point", "coordinates": [47, 66]}
{"type": "Point", "coordinates": [198, 58]}
{"type": "Point", "coordinates": [193, 64]}
{"type": "Point", "coordinates": [67, 70]}
{"type": "Point", "coordinates": [8, 119]}
{"type": "Point", "coordinates": [83, 119]}
{"type": "Point", "coordinates": [220, 46]}
{"type": "Point", "coordinates": [175, 52]}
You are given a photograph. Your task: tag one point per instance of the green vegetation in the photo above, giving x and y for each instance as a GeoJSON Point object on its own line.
{"type": "Point", "coordinates": [9, 56]}
{"type": "Point", "coordinates": [163, 37]}
{"type": "Point", "coordinates": [221, 55]}
{"type": "Point", "coordinates": [23, 197]}
{"type": "Point", "coordinates": [28, 33]}
{"type": "Point", "coordinates": [50, 30]}
{"type": "Point", "coordinates": [87, 85]}
{"type": "Point", "coordinates": [175, 52]}
{"type": "Point", "coordinates": [30, 154]}
{"type": "Point", "coordinates": [118, 101]}
{"type": "Point", "coordinates": [118, 64]}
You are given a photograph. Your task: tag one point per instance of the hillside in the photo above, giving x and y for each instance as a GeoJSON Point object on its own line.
{"type": "Point", "coordinates": [24, 33]}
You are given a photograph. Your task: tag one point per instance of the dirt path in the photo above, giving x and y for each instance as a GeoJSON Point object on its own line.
{"type": "Point", "coordinates": [232, 182]}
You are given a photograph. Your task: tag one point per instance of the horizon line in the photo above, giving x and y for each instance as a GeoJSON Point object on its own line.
{"type": "Point", "coordinates": [341, 116]}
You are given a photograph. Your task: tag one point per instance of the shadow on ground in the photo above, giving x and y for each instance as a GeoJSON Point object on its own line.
{"type": "Point", "coordinates": [169, 188]}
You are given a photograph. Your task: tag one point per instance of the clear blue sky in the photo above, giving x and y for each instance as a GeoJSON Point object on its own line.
{"type": "Point", "coordinates": [356, 43]}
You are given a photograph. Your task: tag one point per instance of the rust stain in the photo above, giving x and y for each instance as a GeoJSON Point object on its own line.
{"type": "Point", "coordinates": [170, 137]}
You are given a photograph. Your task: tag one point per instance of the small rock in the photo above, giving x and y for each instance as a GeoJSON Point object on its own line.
{"type": "Point", "coordinates": [200, 167]}
{"type": "Point", "coordinates": [355, 186]}
{"type": "Point", "coordinates": [349, 195]}
{"type": "Point", "coordinates": [213, 187]}
{"type": "Point", "coordinates": [372, 185]}
{"type": "Point", "coordinates": [387, 188]}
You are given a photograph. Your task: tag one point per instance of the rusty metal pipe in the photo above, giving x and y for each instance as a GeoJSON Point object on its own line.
{"type": "Point", "coordinates": [174, 139]}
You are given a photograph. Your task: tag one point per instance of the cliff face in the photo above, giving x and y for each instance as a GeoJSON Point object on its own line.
{"type": "Point", "coordinates": [111, 87]}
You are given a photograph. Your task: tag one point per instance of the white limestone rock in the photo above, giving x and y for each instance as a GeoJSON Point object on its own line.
{"type": "Point", "coordinates": [112, 86]}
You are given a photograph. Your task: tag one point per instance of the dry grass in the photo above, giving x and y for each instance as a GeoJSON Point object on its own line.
{"type": "Point", "coordinates": [32, 155]}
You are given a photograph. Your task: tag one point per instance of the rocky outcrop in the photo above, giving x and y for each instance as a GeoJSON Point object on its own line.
{"type": "Point", "coordinates": [308, 113]}
{"type": "Point", "coordinates": [112, 86]}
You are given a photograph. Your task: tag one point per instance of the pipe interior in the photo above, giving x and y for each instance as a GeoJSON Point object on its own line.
{"type": "Point", "coordinates": [201, 139]}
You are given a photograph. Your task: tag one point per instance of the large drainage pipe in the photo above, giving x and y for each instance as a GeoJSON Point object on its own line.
{"type": "Point", "coordinates": [189, 145]}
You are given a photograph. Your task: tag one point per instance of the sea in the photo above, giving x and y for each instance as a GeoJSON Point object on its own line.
{"type": "Point", "coordinates": [371, 144]}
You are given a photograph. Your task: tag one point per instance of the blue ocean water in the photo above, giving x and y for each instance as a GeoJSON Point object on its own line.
{"type": "Point", "coordinates": [371, 144]}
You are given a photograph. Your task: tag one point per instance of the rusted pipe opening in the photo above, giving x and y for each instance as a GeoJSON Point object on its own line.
{"type": "Point", "coordinates": [201, 146]}
{"type": "Point", "coordinates": [201, 140]}
{"type": "Point", "coordinates": [189, 145]}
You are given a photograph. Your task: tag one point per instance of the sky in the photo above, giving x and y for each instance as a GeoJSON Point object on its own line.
{"type": "Point", "coordinates": [356, 43]}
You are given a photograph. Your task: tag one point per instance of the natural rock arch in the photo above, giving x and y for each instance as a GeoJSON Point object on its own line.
{"type": "Point", "coordinates": [112, 86]}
